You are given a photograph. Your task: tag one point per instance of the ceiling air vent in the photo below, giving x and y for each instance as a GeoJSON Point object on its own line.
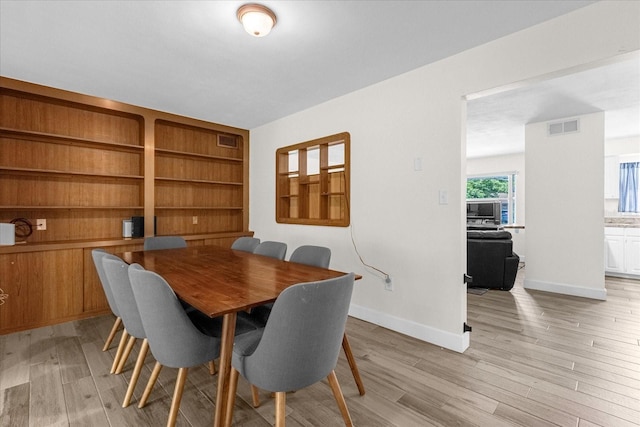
{"type": "Point", "coordinates": [229, 141]}
{"type": "Point", "coordinates": [559, 128]}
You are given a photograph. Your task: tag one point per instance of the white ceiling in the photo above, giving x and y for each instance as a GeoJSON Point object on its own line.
{"type": "Point", "coordinates": [495, 123]}
{"type": "Point", "coordinates": [193, 58]}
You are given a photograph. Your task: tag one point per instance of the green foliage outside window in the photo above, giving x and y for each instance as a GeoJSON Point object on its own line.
{"type": "Point", "coordinates": [487, 188]}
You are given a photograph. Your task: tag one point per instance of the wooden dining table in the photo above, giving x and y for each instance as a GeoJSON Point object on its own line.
{"type": "Point", "coordinates": [221, 282]}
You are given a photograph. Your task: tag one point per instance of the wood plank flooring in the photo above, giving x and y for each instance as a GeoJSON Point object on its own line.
{"type": "Point", "coordinates": [536, 359]}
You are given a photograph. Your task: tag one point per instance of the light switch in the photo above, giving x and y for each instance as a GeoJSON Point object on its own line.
{"type": "Point", "coordinates": [443, 197]}
{"type": "Point", "coordinates": [417, 164]}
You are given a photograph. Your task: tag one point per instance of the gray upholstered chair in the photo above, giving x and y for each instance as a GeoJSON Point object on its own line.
{"type": "Point", "coordinates": [164, 242]}
{"type": "Point", "coordinates": [167, 242]}
{"type": "Point", "coordinates": [174, 340]}
{"type": "Point", "coordinates": [320, 256]}
{"type": "Point", "coordinates": [298, 346]}
{"type": "Point", "coordinates": [271, 249]}
{"type": "Point", "coordinates": [317, 256]}
{"type": "Point", "coordinates": [245, 244]}
{"type": "Point", "coordinates": [117, 274]}
{"type": "Point", "coordinates": [97, 255]}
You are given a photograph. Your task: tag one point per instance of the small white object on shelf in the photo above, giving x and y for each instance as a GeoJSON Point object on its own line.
{"type": "Point", "coordinates": [7, 234]}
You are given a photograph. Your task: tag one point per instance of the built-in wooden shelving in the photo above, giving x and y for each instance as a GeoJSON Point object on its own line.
{"type": "Point", "coordinates": [85, 164]}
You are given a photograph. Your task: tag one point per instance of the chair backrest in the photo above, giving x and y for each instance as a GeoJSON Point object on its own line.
{"type": "Point", "coordinates": [174, 340]}
{"type": "Point", "coordinates": [116, 271]}
{"type": "Point", "coordinates": [164, 242]}
{"type": "Point", "coordinates": [245, 244]}
{"type": "Point", "coordinates": [317, 256]}
{"type": "Point", "coordinates": [271, 249]}
{"type": "Point", "coordinates": [97, 255]}
{"type": "Point", "coordinates": [303, 336]}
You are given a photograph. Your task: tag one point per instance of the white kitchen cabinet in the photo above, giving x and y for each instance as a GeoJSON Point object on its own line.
{"type": "Point", "coordinates": [622, 251]}
{"type": "Point", "coordinates": [614, 250]}
{"type": "Point", "coordinates": [632, 251]}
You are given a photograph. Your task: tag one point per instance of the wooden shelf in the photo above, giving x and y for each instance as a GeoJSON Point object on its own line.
{"type": "Point", "coordinates": [31, 171]}
{"type": "Point", "coordinates": [320, 197]}
{"type": "Point", "coordinates": [203, 208]}
{"type": "Point", "coordinates": [66, 140]}
{"type": "Point", "coordinates": [34, 208]}
{"type": "Point", "coordinates": [197, 181]}
{"type": "Point", "coordinates": [69, 244]}
{"type": "Point", "coordinates": [328, 168]}
{"type": "Point", "coordinates": [174, 153]}
{"type": "Point", "coordinates": [197, 176]}
{"type": "Point", "coordinates": [22, 247]}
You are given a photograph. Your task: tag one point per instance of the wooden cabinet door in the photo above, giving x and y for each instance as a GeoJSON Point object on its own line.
{"type": "Point", "coordinates": [14, 270]}
{"type": "Point", "coordinates": [41, 287]}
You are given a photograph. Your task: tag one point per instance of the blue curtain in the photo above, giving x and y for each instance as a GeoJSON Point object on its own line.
{"type": "Point", "coordinates": [629, 174]}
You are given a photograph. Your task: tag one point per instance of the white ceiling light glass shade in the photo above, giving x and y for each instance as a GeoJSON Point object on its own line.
{"type": "Point", "coordinates": [257, 20]}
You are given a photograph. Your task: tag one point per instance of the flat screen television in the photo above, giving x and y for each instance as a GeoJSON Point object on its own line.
{"type": "Point", "coordinates": [483, 212]}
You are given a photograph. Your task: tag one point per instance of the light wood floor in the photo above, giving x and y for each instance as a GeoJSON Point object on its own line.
{"type": "Point", "coordinates": [535, 359]}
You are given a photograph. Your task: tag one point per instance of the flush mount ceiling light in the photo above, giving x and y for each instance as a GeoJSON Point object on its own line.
{"type": "Point", "coordinates": [257, 20]}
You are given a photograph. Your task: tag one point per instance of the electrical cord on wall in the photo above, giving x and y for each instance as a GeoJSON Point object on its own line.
{"type": "Point", "coordinates": [353, 241]}
{"type": "Point", "coordinates": [355, 247]}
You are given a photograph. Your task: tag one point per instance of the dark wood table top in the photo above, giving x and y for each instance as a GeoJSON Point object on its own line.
{"type": "Point", "coordinates": [218, 281]}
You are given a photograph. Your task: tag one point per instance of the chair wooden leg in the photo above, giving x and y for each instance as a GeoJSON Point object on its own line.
{"type": "Point", "coordinates": [177, 397]}
{"type": "Point", "coordinates": [281, 400]}
{"type": "Point", "coordinates": [212, 368]}
{"type": "Point", "coordinates": [255, 397]}
{"type": "Point", "coordinates": [125, 354]}
{"type": "Point", "coordinates": [121, 346]}
{"type": "Point", "coordinates": [112, 334]}
{"type": "Point", "coordinates": [152, 381]}
{"type": "Point", "coordinates": [136, 373]}
{"type": "Point", "coordinates": [231, 398]}
{"type": "Point", "coordinates": [352, 364]}
{"type": "Point", "coordinates": [337, 393]}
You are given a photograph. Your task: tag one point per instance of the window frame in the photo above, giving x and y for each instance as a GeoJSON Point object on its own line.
{"type": "Point", "coordinates": [510, 199]}
{"type": "Point", "coordinates": [295, 195]}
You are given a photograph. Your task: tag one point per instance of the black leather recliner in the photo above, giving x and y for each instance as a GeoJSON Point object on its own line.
{"type": "Point", "coordinates": [491, 261]}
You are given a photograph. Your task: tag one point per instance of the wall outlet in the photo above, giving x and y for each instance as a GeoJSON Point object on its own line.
{"type": "Point", "coordinates": [195, 219]}
{"type": "Point", "coordinates": [41, 224]}
{"type": "Point", "coordinates": [388, 284]}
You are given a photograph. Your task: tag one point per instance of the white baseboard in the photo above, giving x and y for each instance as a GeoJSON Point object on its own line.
{"type": "Point", "coordinates": [419, 331]}
{"type": "Point", "coordinates": [561, 288]}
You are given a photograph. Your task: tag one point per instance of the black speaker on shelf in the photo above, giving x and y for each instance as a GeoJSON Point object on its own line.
{"type": "Point", "coordinates": [137, 229]}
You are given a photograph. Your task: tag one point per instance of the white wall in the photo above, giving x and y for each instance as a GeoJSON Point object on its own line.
{"type": "Point", "coordinates": [397, 222]}
{"type": "Point", "coordinates": [622, 146]}
{"type": "Point", "coordinates": [565, 184]}
{"type": "Point", "coordinates": [500, 164]}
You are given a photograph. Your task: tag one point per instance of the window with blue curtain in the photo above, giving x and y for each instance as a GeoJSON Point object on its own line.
{"type": "Point", "coordinates": [629, 190]}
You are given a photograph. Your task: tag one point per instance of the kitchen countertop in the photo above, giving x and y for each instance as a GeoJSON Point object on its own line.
{"type": "Point", "coordinates": [622, 222]}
